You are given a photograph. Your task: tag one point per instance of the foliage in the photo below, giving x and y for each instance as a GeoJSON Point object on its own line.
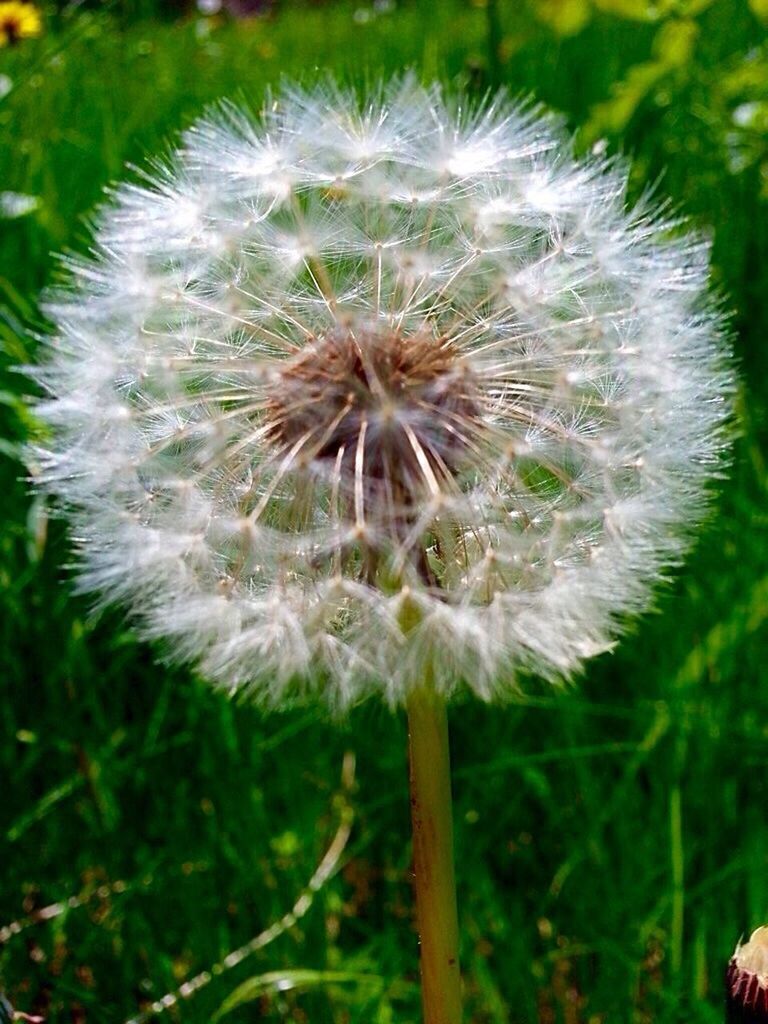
{"type": "Point", "coordinates": [611, 838]}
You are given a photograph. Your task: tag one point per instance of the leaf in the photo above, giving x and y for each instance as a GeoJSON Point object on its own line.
{"type": "Point", "coordinates": [45, 804]}
{"type": "Point", "coordinates": [760, 9]}
{"type": "Point", "coordinates": [674, 43]}
{"type": "Point", "coordinates": [565, 17]}
{"type": "Point", "coordinates": [285, 981]}
{"type": "Point", "coordinates": [727, 635]}
{"type": "Point", "coordinates": [632, 10]}
{"type": "Point", "coordinates": [673, 48]}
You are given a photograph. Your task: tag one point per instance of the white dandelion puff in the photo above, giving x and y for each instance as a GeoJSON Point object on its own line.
{"type": "Point", "coordinates": [347, 390]}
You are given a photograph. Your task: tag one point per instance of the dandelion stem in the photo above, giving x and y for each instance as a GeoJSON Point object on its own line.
{"type": "Point", "coordinates": [433, 856]}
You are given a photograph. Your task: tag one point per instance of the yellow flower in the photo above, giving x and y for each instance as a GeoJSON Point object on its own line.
{"type": "Point", "coordinates": [18, 21]}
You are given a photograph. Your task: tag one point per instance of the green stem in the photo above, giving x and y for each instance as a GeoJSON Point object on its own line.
{"type": "Point", "coordinates": [433, 857]}
{"type": "Point", "coordinates": [677, 933]}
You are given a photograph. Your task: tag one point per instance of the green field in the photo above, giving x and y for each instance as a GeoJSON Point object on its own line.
{"type": "Point", "coordinates": [612, 838]}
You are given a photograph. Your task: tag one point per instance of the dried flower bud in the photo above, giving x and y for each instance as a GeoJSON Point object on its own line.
{"type": "Point", "coordinates": [746, 980]}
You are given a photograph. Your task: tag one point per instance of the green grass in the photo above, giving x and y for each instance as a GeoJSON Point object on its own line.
{"type": "Point", "coordinates": [612, 839]}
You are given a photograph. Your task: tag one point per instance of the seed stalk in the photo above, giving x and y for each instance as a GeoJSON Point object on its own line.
{"type": "Point", "coordinates": [435, 885]}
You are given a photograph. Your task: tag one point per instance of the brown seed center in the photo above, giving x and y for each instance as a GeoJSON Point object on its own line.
{"type": "Point", "coordinates": [390, 415]}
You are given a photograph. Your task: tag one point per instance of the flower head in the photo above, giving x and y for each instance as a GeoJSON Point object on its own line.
{"type": "Point", "coordinates": [345, 391]}
{"type": "Point", "coordinates": [18, 21]}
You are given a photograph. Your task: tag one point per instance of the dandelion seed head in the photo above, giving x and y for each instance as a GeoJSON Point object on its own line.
{"type": "Point", "coordinates": [351, 389]}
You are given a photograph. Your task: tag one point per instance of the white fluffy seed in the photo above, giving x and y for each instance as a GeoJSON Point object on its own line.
{"type": "Point", "coordinates": [518, 394]}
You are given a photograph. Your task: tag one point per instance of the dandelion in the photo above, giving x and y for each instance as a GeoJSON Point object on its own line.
{"type": "Point", "coordinates": [18, 21]}
{"type": "Point", "coordinates": [394, 398]}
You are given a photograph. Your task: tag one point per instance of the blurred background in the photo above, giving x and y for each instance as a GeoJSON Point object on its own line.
{"type": "Point", "coordinates": [612, 839]}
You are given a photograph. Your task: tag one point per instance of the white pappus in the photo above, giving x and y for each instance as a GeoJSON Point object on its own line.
{"type": "Point", "coordinates": [353, 390]}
